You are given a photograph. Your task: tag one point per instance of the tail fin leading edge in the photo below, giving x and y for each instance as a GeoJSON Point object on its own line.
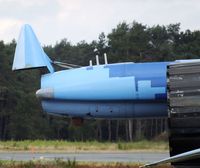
{"type": "Point", "coordinates": [28, 53]}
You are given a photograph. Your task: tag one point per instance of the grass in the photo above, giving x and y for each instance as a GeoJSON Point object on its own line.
{"type": "Point", "coordinates": [66, 146]}
{"type": "Point", "coordinates": [58, 163]}
{"type": "Point", "coordinates": [144, 145]}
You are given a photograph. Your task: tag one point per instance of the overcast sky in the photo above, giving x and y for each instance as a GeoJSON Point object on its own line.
{"type": "Point", "coordinates": [76, 20]}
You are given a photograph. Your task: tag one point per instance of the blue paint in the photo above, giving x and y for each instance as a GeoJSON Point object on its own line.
{"type": "Point", "coordinates": [89, 68]}
{"type": "Point", "coordinates": [29, 53]}
{"type": "Point", "coordinates": [146, 91]}
{"type": "Point", "coordinates": [107, 109]}
{"type": "Point", "coordinates": [98, 90]}
{"type": "Point", "coordinates": [106, 82]}
{"type": "Point", "coordinates": [102, 84]}
{"type": "Point", "coordinates": [156, 72]}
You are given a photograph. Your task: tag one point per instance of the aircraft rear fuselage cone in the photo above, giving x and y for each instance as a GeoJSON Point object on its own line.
{"type": "Point", "coordinates": [124, 90]}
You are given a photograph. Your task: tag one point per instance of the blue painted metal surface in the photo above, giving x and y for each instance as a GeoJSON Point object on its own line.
{"type": "Point", "coordinates": [124, 90]}
{"type": "Point", "coordinates": [100, 109]}
{"type": "Point", "coordinates": [105, 91]}
{"type": "Point", "coordinates": [29, 53]}
{"type": "Point", "coordinates": [128, 81]}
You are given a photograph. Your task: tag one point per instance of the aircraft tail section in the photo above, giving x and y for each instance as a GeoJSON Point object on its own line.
{"type": "Point", "coordinates": [28, 53]}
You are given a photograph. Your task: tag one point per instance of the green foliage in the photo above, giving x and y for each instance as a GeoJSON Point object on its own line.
{"type": "Point", "coordinates": [59, 163]}
{"type": "Point", "coordinates": [1, 163]}
{"type": "Point", "coordinates": [63, 164]}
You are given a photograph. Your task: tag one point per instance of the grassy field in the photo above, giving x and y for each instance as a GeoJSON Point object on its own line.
{"type": "Point", "coordinates": [66, 146]}
{"type": "Point", "coordinates": [68, 164]}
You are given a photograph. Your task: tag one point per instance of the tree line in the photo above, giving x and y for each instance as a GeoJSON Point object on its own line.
{"type": "Point", "coordinates": [21, 116]}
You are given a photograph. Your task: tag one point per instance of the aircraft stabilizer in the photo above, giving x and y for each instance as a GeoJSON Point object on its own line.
{"type": "Point", "coordinates": [29, 54]}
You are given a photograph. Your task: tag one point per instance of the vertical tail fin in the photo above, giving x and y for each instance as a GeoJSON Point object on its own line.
{"type": "Point", "coordinates": [28, 53]}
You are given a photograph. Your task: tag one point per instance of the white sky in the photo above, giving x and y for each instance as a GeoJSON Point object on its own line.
{"type": "Point", "coordinates": [79, 20]}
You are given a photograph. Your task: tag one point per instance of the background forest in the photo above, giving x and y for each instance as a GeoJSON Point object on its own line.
{"type": "Point", "coordinates": [21, 116]}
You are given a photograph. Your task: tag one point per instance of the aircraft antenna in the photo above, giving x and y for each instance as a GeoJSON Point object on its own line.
{"type": "Point", "coordinates": [90, 63]}
{"type": "Point", "coordinates": [105, 59]}
{"type": "Point", "coordinates": [97, 59]}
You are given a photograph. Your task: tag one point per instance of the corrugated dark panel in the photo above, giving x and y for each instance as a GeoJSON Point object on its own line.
{"type": "Point", "coordinates": [186, 131]}
{"type": "Point", "coordinates": [193, 110]}
{"type": "Point", "coordinates": [184, 110]}
{"type": "Point", "coordinates": [184, 101]}
{"type": "Point", "coordinates": [183, 93]}
{"type": "Point", "coordinates": [183, 70]}
{"type": "Point", "coordinates": [187, 122]}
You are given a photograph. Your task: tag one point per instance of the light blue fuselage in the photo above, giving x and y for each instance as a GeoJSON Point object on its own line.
{"type": "Point", "coordinates": [124, 90]}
